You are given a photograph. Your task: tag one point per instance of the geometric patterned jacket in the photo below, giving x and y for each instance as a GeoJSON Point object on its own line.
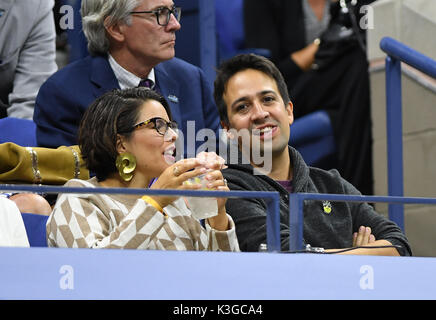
{"type": "Point", "coordinates": [126, 222]}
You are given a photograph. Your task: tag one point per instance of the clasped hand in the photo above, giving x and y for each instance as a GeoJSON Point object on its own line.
{"type": "Point", "coordinates": [175, 176]}
{"type": "Point", "coordinates": [363, 237]}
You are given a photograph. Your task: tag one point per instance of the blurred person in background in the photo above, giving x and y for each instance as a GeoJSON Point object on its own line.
{"type": "Point", "coordinates": [27, 54]}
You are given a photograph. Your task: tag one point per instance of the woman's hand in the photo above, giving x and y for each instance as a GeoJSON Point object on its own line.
{"type": "Point", "coordinates": [215, 181]}
{"type": "Point", "coordinates": [214, 177]}
{"type": "Point", "coordinates": [174, 177]}
{"type": "Point", "coordinates": [211, 160]}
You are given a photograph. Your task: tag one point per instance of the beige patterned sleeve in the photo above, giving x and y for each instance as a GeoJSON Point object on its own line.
{"type": "Point", "coordinates": [222, 240]}
{"type": "Point", "coordinates": [77, 222]}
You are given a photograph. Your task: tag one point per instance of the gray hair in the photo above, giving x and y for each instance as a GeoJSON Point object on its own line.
{"type": "Point", "coordinates": [94, 14]}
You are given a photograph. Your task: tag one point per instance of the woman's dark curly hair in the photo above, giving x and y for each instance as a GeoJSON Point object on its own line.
{"type": "Point", "coordinates": [114, 113]}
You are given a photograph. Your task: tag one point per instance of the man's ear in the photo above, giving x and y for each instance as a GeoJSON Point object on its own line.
{"type": "Point", "coordinates": [116, 30]}
{"type": "Point", "coordinates": [290, 111]}
{"type": "Point", "coordinates": [226, 127]}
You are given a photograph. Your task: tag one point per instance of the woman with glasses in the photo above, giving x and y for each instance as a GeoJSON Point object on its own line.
{"type": "Point", "coordinates": [127, 139]}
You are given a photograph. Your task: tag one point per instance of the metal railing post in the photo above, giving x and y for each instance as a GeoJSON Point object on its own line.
{"type": "Point", "coordinates": [296, 222]}
{"type": "Point", "coordinates": [394, 127]}
{"type": "Point", "coordinates": [398, 52]}
{"type": "Point", "coordinates": [273, 223]}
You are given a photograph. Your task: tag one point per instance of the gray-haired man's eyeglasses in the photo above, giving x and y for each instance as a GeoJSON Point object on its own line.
{"type": "Point", "coordinates": [163, 14]}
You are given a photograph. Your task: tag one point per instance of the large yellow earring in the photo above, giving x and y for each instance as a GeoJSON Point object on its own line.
{"type": "Point", "coordinates": [126, 164]}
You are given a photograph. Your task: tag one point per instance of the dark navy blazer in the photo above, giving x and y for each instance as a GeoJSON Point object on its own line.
{"type": "Point", "coordinates": [65, 96]}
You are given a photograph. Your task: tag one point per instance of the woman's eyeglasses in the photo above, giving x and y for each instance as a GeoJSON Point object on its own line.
{"type": "Point", "coordinates": [161, 125]}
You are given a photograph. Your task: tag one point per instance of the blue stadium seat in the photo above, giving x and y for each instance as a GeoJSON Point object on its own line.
{"type": "Point", "coordinates": [18, 131]}
{"type": "Point", "coordinates": [35, 228]}
{"type": "Point", "coordinates": [229, 17]}
{"type": "Point", "coordinates": [78, 46]}
{"type": "Point", "coordinates": [312, 136]}
{"type": "Point", "coordinates": [196, 40]}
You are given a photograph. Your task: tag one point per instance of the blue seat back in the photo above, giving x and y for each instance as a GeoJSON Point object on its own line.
{"type": "Point", "coordinates": [35, 229]}
{"type": "Point", "coordinates": [311, 127]}
{"type": "Point", "coordinates": [312, 135]}
{"type": "Point", "coordinates": [18, 131]}
{"type": "Point", "coordinates": [229, 16]}
{"type": "Point", "coordinates": [196, 40]}
{"type": "Point", "coordinates": [78, 45]}
{"type": "Point", "coordinates": [229, 26]}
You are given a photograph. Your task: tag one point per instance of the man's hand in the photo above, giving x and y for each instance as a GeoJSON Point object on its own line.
{"type": "Point", "coordinates": [363, 237]}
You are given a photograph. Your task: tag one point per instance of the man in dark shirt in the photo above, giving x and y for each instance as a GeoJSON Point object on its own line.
{"type": "Point", "coordinates": [255, 108]}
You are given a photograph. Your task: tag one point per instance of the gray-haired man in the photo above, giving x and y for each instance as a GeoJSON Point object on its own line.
{"type": "Point", "coordinates": [131, 43]}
